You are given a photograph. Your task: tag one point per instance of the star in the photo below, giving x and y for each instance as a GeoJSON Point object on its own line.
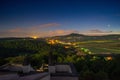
{"type": "Point", "coordinates": [108, 25]}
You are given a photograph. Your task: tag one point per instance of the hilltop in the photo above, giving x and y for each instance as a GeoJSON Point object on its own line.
{"type": "Point", "coordinates": [74, 37]}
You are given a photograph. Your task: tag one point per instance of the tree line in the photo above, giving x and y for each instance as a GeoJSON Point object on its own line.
{"type": "Point", "coordinates": [37, 52]}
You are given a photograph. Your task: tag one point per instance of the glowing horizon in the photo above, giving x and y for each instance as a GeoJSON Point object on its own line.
{"type": "Point", "coordinates": [51, 18]}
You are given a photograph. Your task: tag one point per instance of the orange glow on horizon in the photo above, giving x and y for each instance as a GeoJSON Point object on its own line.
{"type": "Point", "coordinates": [34, 37]}
{"type": "Point", "coordinates": [108, 58]}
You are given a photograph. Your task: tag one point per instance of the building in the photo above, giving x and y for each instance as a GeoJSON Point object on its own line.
{"type": "Point", "coordinates": [17, 68]}
{"type": "Point", "coordinates": [56, 72]}
{"type": "Point", "coordinates": [63, 72]}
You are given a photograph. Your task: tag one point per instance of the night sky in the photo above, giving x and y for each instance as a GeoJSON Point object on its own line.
{"type": "Point", "coordinates": [41, 18]}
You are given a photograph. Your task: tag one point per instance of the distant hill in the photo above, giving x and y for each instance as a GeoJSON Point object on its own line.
{"type": "Point", "coordinates": [73, 37]}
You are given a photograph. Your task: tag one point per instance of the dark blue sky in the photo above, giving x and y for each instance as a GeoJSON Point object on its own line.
{"type": "Point", "coordinates": [57, 17]}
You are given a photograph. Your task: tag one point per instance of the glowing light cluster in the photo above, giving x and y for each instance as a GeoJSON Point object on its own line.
{"type": "Point", "coordinates": [108, 58]}
{"type": "Point", "coordinates": [34, 37]}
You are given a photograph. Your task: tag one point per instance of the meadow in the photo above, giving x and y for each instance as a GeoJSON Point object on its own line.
{"type": "Point", "coordinates": [101, 46]}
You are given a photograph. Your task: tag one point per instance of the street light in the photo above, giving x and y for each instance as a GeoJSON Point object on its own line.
{"type": "Point", "coordinates": [51, 67]}
{"type": "Point", "coordinates": [50, 59]}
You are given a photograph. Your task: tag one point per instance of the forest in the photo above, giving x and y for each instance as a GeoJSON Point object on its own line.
{"type": "Point", "coordinates": [36, 51]}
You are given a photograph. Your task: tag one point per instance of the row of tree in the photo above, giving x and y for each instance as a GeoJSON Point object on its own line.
{"type": "Point", "coordinates": [37, 51]}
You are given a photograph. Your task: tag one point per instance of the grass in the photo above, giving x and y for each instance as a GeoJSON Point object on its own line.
{"type": "Point", "coordinates": [101, 46]}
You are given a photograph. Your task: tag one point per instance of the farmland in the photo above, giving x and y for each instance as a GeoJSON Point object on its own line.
{"type": "Point", "coordinates": [101, 46]}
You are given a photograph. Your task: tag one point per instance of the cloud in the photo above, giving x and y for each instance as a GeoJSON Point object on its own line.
{"type": "Point", "coordinates": [13, 34]}
{"type": "Point", "coordinates": [39, 30]}
{"type": "Point", "coordinates": [98, 31]}
{"type": "Point", "coordinates": [49, 25]}
{"type": "Point", "coordinates": [14, 30]}
{"type": "Point", "coordinates": [27, 31]}
{"type": "Point", "coordinates": [49, 33]}
{"type": "Point", "coordinates": [61, 32]}
{"type": "Point", "coordinates": [44, 26]}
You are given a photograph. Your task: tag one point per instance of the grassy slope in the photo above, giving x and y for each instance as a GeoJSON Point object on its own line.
{"type": "Point", "coordinates": [101, 46]}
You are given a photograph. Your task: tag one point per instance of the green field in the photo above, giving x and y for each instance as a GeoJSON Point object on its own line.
{"type": "Point", "coordinates": [101, 46]}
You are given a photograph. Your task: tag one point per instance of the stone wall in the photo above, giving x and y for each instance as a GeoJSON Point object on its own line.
{"type": "Point", "coordinates": [63, 68]}
{"type": "Point", "coordinates": [9, 77]}
{"type": "Point", "coordinates": [64, 78]}
{"type": "Point", "coordinates": [60, 68]}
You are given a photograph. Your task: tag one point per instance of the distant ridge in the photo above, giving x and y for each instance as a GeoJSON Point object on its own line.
{"type": "Point", "coordinates": [73, 37]}
{"type": "Point", "coordinates": [75, 34]}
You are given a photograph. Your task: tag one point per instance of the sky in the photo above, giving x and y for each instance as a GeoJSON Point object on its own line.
{"type": "Point", "coordinates": [42, 18]}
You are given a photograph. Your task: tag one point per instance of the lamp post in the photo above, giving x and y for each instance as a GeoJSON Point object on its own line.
{"type": "Point", "coordinates": [51, 67]}
{"type": "Point", "coordinates": [50, 60]}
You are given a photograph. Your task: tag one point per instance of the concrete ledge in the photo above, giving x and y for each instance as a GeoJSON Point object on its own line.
{"type": "Point", "coordinates": [39, 76]}
{"type": "Point", "coordinates": [9, 77]}
{"type": "Point", "coordinates": [64, 78]}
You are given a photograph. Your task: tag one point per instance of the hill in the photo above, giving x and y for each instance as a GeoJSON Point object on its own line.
{"type": "Point", "coordinates": [74, 37]}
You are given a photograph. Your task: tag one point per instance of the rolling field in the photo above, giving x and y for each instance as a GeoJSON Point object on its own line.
{"type": "Point", "coordinates": [101, 46]}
